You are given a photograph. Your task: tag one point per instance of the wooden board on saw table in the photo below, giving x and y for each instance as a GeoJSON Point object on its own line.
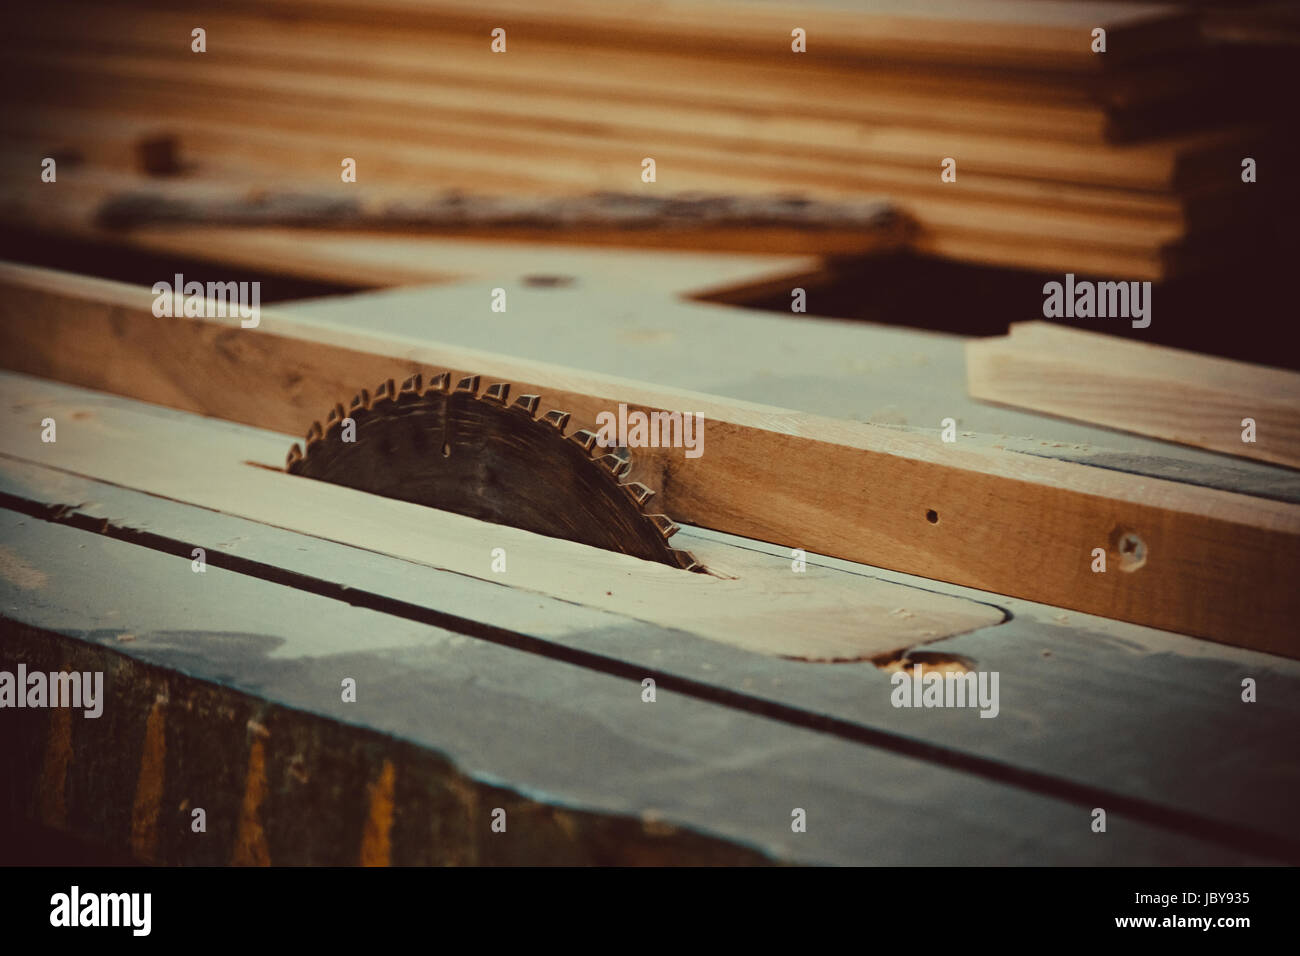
{"type": "Point", "coordinates": [1212, 563]}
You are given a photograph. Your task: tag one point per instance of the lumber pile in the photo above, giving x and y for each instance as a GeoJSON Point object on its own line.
{"type": "Point", "coordinates": [1111, 163]}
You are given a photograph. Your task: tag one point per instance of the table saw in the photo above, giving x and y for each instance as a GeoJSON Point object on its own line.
{"type": "Point", "coordinates": [320, 666]}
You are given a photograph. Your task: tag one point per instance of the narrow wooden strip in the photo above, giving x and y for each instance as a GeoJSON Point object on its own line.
{"type": "Point", "coordinates": [630, 212]}
{"type": "Point", "coordinates": [1048, 35]}
{"type": "Point", "coordinates": [1139, 387]}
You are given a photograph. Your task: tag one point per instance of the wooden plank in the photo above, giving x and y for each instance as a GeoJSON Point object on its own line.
{"type": "Point", "coordinates": [813, 91]}
{"type": "Point", "coordinates": [1189, 760]}
{"type": "Point", "coordinates": [1047, 35]}
{"type": "Point", "coordinates": [682, 69]}
{"type": "Point", "coordinates": [1216, 564]}
{"type": "Point", "coordinates": [1138, 387]}
{"type": "Point", "coordinates": [287, 138]}
{"type": "Point", "coordinates": [605, 79]}
{"type": "Point", "coordinates": [75, 208]}
{"type": "Point", "coordinates": [373, 258]}
{"type": "Point", "coordinates": [1162, 164]}
{"type": "Point", "coordinates": [858, 370]}
{"type": "Point", "coordinates": [394, 256]}
{"type": "Point", "coordinates": [1073, 106]}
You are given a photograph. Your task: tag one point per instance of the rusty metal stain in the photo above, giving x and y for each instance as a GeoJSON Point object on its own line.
{"type": "Point", "coordinates": [149, 785]}
{"type": "Point", "coordinates": [376, 838]}
{"type": "Point", "coordinates": [250, 841]}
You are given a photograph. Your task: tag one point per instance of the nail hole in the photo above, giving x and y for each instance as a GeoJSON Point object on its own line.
{"type": "Point", "coordinates": [1132, 551]}
{"type": "Point", "coordinates": [932, 516]}
{"type": "Point", "coordinates": [548, 281]}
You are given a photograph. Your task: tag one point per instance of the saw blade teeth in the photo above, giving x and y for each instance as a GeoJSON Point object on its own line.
{"type": "Point", "coordinates": [638, 492]}
{"type": "Point", "coordinates": [557, 419]}
{"type": "Point", "coordinates": [685, 560]}
{"type": "Point", "coordinates": [584, 438]}
{"type": "Point", "coordinates": [613, 464]}
{"type": "Point", "coordinates": [665, 525]}
{"type": "Point", "coordinates": [527, 404]}
{"type": "Point", "coordinates": [406, 427]}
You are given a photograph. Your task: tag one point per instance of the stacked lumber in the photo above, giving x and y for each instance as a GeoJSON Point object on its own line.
{"type": "Point", "coordinates": [1057, 164]}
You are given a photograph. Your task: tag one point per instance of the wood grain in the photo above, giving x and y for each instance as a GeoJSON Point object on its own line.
{"type": "Point", "coordinates": [1048, 35]}
{"type": "Point", "coordinates": [1138, 387]}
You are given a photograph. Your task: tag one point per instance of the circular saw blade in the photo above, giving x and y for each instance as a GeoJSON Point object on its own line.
{"type": "Point", "coordinates": [480, 455]}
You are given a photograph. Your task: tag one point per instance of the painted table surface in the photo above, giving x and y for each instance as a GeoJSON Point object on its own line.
{"type": "Point", "coordinates": [548, 731]}
{"type": "Point", "coordinates": [1092, 713]}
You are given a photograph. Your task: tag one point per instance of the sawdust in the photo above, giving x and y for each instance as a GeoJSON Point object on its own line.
{"type": "Point", "coordinates": [932, 660]}
{"type": "Point", "coordinates": [17, 571]}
